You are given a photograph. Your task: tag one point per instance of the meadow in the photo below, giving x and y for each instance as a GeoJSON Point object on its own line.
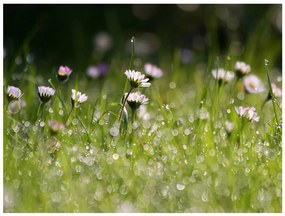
{"type": "Point", "coordinates": [206, 136]}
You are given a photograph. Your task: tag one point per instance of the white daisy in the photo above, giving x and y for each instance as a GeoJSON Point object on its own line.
{"type": "Point", "coordinates": [220, 74]}
{"type": "Point", "coordinates": [152, 71]}
{"type": "Point", "coordinates": [242, 68]}
{"type": "Point", "coordinates": [45, 93]}
{"type": "Point", "coordinates": [277, 92]}
{"type": "Point", "coordinates": [135, 100]}
{"type": "Point", "coordinates": [253, 84]}
{"type": "Point", "coordinates": [13, 93]}
{"type": "Point", "coordinates": [247, 112]}
{"type": "Point", "coordinates": [77, 98]}
{"type": "Point", "coordinates": [137, 79]}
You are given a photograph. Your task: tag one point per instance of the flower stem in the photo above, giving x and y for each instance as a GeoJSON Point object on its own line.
{"type": "Point", "coordinates": [132, 53]}
{"type": "Point", "coordinates": [124, 102]}
{"type": "Point", "coordinates": [68, 115]}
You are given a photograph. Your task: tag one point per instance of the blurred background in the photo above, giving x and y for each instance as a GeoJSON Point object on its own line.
{"type": "Point", "coordinates": [80, 35]}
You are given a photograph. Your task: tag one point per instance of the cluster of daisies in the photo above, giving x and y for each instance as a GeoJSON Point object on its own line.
{"type": "Point", "coordinates": [252, 85]}
{"type": "Point", "coordinates": [14, 94]}
{"type": "Point", "coordinates": [139, 80]}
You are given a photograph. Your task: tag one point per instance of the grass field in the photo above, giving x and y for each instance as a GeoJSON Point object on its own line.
{"type": "Point", "coordinates": [187, 150]}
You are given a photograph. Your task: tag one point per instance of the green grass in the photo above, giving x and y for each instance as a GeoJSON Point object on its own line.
{"type": "Point", "coordinates": [179, 159]}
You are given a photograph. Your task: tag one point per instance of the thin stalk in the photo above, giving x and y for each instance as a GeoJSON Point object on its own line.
{"type": "Point", "coordinates": [124, 103]}
{"type": "Point", "coordinates": [57, 94]}
{"type": "Point", "coordinates": [132, 53]}
{"type": "Point", "coordinates": [69, 115]}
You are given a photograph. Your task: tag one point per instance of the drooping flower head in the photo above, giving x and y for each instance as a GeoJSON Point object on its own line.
{"type": "Point", "coordinates": [13, 93]}
{"type": "Point", "coordinates": [45, 93]}
{"type": "Point", "coordinates": [221, 74]}
{"type": "Point", "coordinates": [136, 99]}
{"type": "Point", "coordinates": [63, 73]}
{"type": "Point", "coordinates": [152, 71]}
{"type": "Point", "coordinates": [247, 112]}
{"type": "Point", "coordinates": [242, 68]}
{"type": "Point", "coordinates": [253, 84]}
{"type": "Point", "coordinates": [98, 71]}
{"type": "Point", "coordinates": [137, 79]}
{"type": "Point", "coordinates": [77, 98]}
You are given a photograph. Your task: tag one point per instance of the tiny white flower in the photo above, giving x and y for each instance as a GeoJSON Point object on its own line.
{"type": "Point", "coordinates": [77, 98]}
{"type": "Point", "coordinates": [135, 100]}
{"type": "Point", "coordinates": [247, 112]}
{"type": "Point", "coordinates": [137, 79]}
{"type": "Point", "coordinates": [13, 93]}
{"type": "Point", "coordinates": [220, 74]}
{"type": "Point", "coordinates": [242, 68]}
{"type": "Point", "coordinates": [277, 92]}
{"type": "Point", "coordinates": [45, 93]}
{"type": "Point", "coordinates": [152, 71]}
{"type": "Point", "coordinates": [253, 84]}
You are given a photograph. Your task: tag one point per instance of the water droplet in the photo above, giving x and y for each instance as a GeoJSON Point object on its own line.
{"type": "Point", "coordinates": [266, 62]}
{"type": "Point", "coordinates": [75, 121]}
{"type": "Point", "coordinates": [60, 112]}
{"type": "Point", "coordinates": [172, 85]}
{"type": "Point", "coordinates": [199, 158]}
{"type": "Point", "coordinates": [174, 132]}
{"type": "Point", "coordinates": [229, 111]}
{"type": "Point", "coordinates": [204, 196]}
{"type": "Point", "coordinates": [232, 101]}
{"type": "Point", "coordinates": [180, 186]}
{"type": "Point", "coordinates": [14, 107]}
{"type": "Point", "coordinates": [16, 128]}
{"type": "Point", "coordinates": [240, 95]}
{"type": "Point", "coordinates": [42, 124]}
{"type": "Point", "coordinates": [115, 156]}
{"type": "Point", "coordinates": [114, 131]}
{"type": "Point", "coordinates": [129, 151]}
{"type": "Point", "coordinates": [70, 132]}
{"type": "Point", "coordinates": [27, 123]}
{"type": "Point", "coordinates": [187, 131]}
{"type": "Point", "coordinates": [59, 172]}
{"type": "Point", "coordinates": [50, 110]}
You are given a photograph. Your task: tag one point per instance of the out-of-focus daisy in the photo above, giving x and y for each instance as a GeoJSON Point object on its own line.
{"type": "Point", "coordinates": [253, 84]}
{"type": "Point", "coordinates": [98, 71]}
{"type": "Point", "coordinates": [63, 73]}
{"type": "Point", "coordinates": [136, 99]}
{"type": "Point", "coordinates": [137, 79]}
{"type": "Point", "coordinates": [152, 71]}
{"type": "Point", "coordinates": [13, 93]}
{"type": "Point", "coordinates": [247, 112]}
{"type": "Point", "coordinates": [77, 98]}
{"type": "Point", "coordinates": [45, 93]}
{"type": "Point", "coordinates": [221, 74]}
{"type": "Point", "coordinates": [242, 68]}
{"type": "Point", "coordinates": [55, 126]}
{"type": "Point", "coordinates": [277, 92]}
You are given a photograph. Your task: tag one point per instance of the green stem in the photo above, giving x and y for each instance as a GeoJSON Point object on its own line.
{"type": "Point", "coordinates": [57, 94]}
{"type": "Point", "coordinates": [68, 115]}
{"type": "Point", "coordinates": [132, 53]}
{"type": "Point", "coordinates": [124, 102]}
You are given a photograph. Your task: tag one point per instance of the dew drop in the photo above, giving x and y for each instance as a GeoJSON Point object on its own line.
{"type": "Point", "coordinates": [27, 123]}
{"type": "Point", "coordinates": [187, 131]}
{"type": "Point", "coordinates": [172, 85]}
{"type": "Point", "coordinates": [42, 124]}
{"type": "Point", "coordinates": [232, 101]}
{"type": "Point", "coordinates": [70, 132]}
{"type": "Point", "coordinates": [60, 112]}
{"type": "Point", "coordinates": [16, 128]}
{"type": "Point", "coordinates": [175, 132]}
{"type": "Point", "coordinates": [114, 131]}
{"type": "Point", "coordinates": [180, 186]}
{"type": "Point", "coordinates": [115, 156]}
{"type": "Point", "coordinates": [50, 110]}
{"type": "Point", "coordinates": [78, 168]}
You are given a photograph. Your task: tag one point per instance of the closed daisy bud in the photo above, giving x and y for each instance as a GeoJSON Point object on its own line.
{"type": "Point", "coordinates": [63, 73]}
{"type": "Point", "coordinates": [152, 71]}
{"type": "Point", "coordinates": [253, 84]}
{"type": "Point", "coordinates": [13, 93]}
{"type": "Point", "coordinates": [77, 98]}
{"type": "Point", "coordinates": [135, 100]}
{"type": "Point", "coordinates": [242, 69]}
{"type": "Point", "coordinates": [137, 79]}
{"type": "Point", "coordinates": [45, 93]}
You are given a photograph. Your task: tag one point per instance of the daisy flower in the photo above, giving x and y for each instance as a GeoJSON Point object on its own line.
{"type": "Point", "coordinates": [277, 92]}
{"type": "Point", "coordinates": [152, 71]}
{"type": "Point", "coordinates": [253, 84]}
{"type": "Point", "coordinates": [77, 98]}
{"type": "Point", "coordinates": [135, 100]}
{"type": "Point", "coordinates": [13, 93]}
{"type": "Point", "coordinates": [242, 68]}
{"type": "Point", "coordinates": [220, 74]}
{"type": "Point", "coordinates": [247, 112]}
{"type": "Point", "coordinates": [45, 93]}
{"type": "Point", "coordinates": [63, 73]}
{"type": "Point", "coordinates": [98, 71]}
{"type": "Point", "coordinates": [137, 79]}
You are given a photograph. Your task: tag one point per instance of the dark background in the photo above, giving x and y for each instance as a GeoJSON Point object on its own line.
{"type": "Point", "coordinates": [64, 34]}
